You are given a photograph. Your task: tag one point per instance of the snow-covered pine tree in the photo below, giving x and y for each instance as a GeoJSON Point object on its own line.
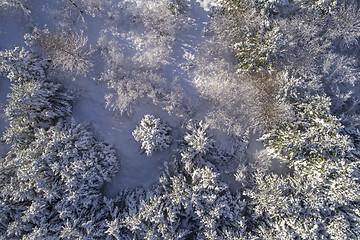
{"type": "Point", "coordinates": [153, 134]}
{"type": "Point", "coordinates": [197, 139]}
{"type": "Point", "coordinates": [58, 180]}
{"type": "Point", "coordinates": [260, 49]}
{"type": "Point", "coordinates": [34, 102]}
{"type": "Point", "coordinates": [18, 64]}
{"type": "Point", "coordinates": [196, 144]}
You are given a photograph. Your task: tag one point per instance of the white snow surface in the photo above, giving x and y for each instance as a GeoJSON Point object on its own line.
{"type": "Point", "coordinates": [11, 31]}
{"type": "Point", "coordinates": [207, 4]}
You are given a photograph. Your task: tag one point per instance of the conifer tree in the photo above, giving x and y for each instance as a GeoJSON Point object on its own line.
{"type": "Point", "coordinates": [18, 64]}
{"type": "Point", "coordinates": [34, 102]}
{"type": "Point", "coordinates": [57, 180]}
{"type": "Point", "coordinates": [153, 134]}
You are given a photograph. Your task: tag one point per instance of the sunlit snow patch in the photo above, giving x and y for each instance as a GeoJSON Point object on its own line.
{"type": "Point", "coordinates": [207, 4]}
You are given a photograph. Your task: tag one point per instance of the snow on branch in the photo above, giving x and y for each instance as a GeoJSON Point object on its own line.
{"type": "Point", "coordinates": [65, 49]}
{"type": "Point", "coordinates": [153, 134]}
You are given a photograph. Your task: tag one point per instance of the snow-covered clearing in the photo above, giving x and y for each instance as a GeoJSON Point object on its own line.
{"type": "Point", "coordinates": [11, 31]}
{"type": "Point", "coordinates": [137, 169]}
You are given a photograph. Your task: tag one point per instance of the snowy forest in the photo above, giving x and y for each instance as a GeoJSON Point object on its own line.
{"type": "Point", "coordinates": [179, 119]}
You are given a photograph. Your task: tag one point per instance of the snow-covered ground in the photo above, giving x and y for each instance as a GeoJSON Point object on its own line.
{"type": "Point", "coordinates": [11, 31]}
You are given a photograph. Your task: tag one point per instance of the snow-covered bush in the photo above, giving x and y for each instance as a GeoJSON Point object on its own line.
{"type": "Point", "coordinates": [68, 50]}
{"type": "Point", "coordinates": [153, 134]}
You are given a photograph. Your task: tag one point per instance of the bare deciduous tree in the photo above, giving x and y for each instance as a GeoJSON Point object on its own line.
{"type": "Point", "coordinates": [65, 49]}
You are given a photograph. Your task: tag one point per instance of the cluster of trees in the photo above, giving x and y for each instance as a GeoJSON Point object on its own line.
{"type": "Point", "coordinates": [190, 201]}
{"type": "Point", "coordinates": [317, 197]}
{"type": "Point", "coordinates": [135, 55]}
{"type": "Point", "coordinates": [51, 178]}
{"type": "Point", "coordinates": [273, 41]}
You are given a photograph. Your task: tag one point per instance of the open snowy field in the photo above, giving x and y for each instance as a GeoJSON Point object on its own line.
{"type": "Point", "coordinates": [179, 119]}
